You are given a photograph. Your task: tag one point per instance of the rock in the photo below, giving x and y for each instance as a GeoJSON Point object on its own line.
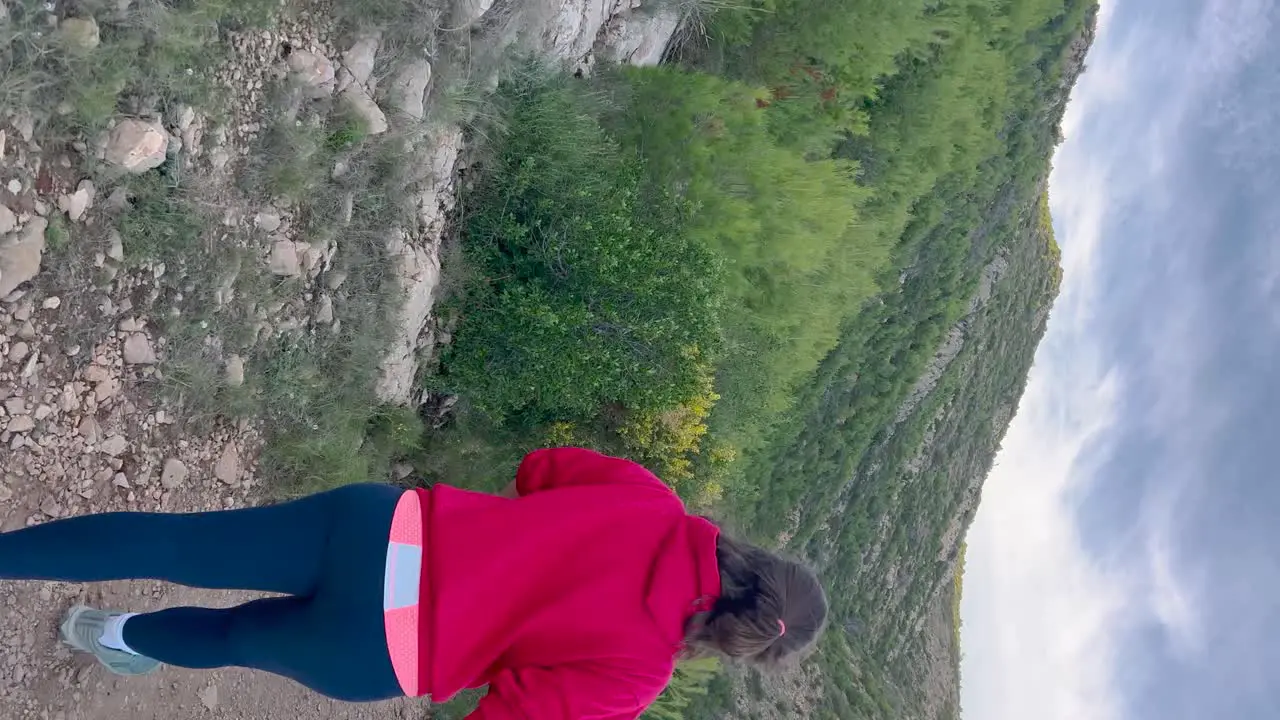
{"type": "Point", "coordinates": [121, 480]}
{"type": "Point", "coordinates": [138, 350]}
{"type": "Point", "coordinates": [174, 474]}
{"type": "Point", "coordinates": [219, 158]}
{"type": "Point", "coordinates": [118, 199]}
{"type": "Point", "coordinates": [310, 257]}
{"type": "Point", "coordinates": [52, 303]}
{"type": "Point", "coordinates": [21, 424]}
{"type": "Point", "coordinates": [137, 146]}
{"type": "Point", "coordinates": [25, 124]}
{"type": "Point", "coordinates": [114, 446]}
{"type": "Point", "coordinates": [8, 221]}
{"type": "Point", "coordinates": [184, 116]}
{"type": "Point", "coordinates": [97, 373]}
{"type": "Point", "coordinates": [357, 63]}
{"type": "Point", "coordinates": [640, 38]}
{"type": "Point", "coordinates": [106, 389]}
{"type": "Point", "coordinates": [76, 203]}
{"type": "Point", "coordinates": [90, 431]}
{"type": "Point", "coordinates": [115, 250]}
{"type": "Point", "coordinates": [314, 73]}
{"type": "Point", "coordinates": [235, 371]}
{"type": "Point", "coordinates": [419, 276]}
{"type": "Point", "coordinates": [209, 698]}
{"type": "Point", "coordinates": [409, 89]}
{"type": "Point", "coordinates": [267, 221]}
{"type": "Point", "coordinates": [335, 279]}
{"type": "Point", "coordinates": [14, 186]}
{"type": "Point", "coordinates": [284, 259]}
{"type": "Point", "coordinates": [356, 100]}
{"type": "Point", "coordinates": [228, 467]}
{"type": "Point", "coordinates": [15, 406]}
{"type": "Point", "coordinates": [324, 311]}
{"type": "Point", "coordinates": [18, 352]}
{"type": "Point", "coordinates": [20, 261]}
{"type": "Point", "coordinates": [79, 33]}
{"type": "Point", "coordinates": [469, 11]}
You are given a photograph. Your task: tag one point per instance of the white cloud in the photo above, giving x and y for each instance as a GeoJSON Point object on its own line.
{"type": "Point", "coordinates": [1043, 613]}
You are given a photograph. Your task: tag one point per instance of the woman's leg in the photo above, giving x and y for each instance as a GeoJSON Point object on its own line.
{"type": "Point", "coordinates": [278, 548]}
{"type": "Point", "coordinates": [333, 640]}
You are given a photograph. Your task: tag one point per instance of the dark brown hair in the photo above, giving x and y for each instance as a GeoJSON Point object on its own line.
{"type": "Point", "coordinates": [771, 609]}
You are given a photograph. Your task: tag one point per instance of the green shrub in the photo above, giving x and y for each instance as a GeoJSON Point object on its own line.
{"type": "Point", "coordinates": [589, 292]}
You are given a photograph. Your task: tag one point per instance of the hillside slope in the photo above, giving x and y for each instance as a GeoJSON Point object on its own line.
{"type": "Point", "coordinates": [879, 475]}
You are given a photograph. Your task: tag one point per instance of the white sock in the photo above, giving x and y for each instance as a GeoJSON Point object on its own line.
{"type": "Point", "coordinates": [113, 634]}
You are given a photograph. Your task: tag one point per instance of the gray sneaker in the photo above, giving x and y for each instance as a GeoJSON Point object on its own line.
{"type": "Point", "coordinates": [82, 630]}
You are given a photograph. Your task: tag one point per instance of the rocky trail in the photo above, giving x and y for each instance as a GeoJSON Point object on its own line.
{"type": "Point", "coordinates": [128, 358]}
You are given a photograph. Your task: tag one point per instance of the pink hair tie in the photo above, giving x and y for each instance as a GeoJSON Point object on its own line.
{"type": "Point", "coordinates": [782, 628]}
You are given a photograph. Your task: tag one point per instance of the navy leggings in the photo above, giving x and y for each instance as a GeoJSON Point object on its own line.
{"type": "Point", "coordinates": [326, 553]}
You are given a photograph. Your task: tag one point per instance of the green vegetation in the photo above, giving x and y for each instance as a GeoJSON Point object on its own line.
{"type": "Point", "coordinates": [587, 291]}
{"type": "Point", "coordinates": [868, 179]}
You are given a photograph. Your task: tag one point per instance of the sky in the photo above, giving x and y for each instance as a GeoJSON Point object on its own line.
{"type": "Point", "coordinates": [1124, 563]}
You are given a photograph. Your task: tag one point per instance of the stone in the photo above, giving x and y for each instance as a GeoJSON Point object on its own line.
{"type": "Point", "coordinates": [409, 88]}
{"type": "Point", "coordinates": [121, 480]}
{"type": "Point", "coordinates": [357, 62]}
{"type": "Point", "coordinates": [138, 350]}
{"type": "Point", "coordinates": [106, 389]}
{"type": "Point", "coordinates": [185, 116]}
{"type": "Point", "coordinates": [312, 72]}
{"type": "Point", "coordinates": [284, 259]}
{"type": "Point", "coordinates": [79, 33]}
{"type": "Point", "coordinates": [469, 11]}
{"type": "Point", "coordinates": [235, 371]}
{"type": "Point", "coordinates": [20, 261]}
{"type": "Point", "coordinates": [97, 373]}
{"type": "Point", "coordinates": [115, 249]}
{"type": "Point", "coordinates": [75, 204]}
{"type": "Point", "coordinates": [114, 446]}
{"type": "Point", "coordinates": [90, 430]}
{"type": "Point", "coordinates": [356, 100]}
{"type": "Point", "coordinates": [21, 424]}
{"type": "Point", "coordinates": [137, 146]}
{"type": "Point", "coordinates": [174, 474]}
{"type": "Point", "coordinates": [228, 467]}
{"type": "Point", "coordinates": [18, 352]}
{"type": "Point", "coordinates": [335, 279]}
{"type": "Point", "coordinates": [51, 303]}
{"type": "Point", "coordinates": [324, 311]}
{"type": "Point", "coordinates": [118, 199]}
{"type": "Point", "coordinates": [8, 221]}
{"type": "Point", "coordinates": [267, 221]}
{"type": "Point", "coordinates": [25, 124]}
{"type": "Point", "coordinates": [14, 186]}
{"type": "Point", "coordinates": [219, 158]}
{"type": "Point", "coordinates": [209, 698]}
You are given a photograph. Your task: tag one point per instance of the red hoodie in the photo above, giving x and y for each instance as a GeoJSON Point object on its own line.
{"type": "Point", "coordinates": [570, 602]}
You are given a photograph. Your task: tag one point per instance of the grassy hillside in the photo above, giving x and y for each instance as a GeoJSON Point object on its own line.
{"type": "Point", "coordinates": [801, 273]}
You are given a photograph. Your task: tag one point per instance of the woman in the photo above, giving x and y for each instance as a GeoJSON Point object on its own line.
{"type": "Point", "coordinates": [572, 596]}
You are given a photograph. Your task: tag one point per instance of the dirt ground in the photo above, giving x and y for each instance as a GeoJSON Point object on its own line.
{"type": "Point", "coordinates": [97, 447]}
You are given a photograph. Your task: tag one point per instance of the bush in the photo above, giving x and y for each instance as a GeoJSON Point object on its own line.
{"type": "Point", "coordinates": [589, 292]}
